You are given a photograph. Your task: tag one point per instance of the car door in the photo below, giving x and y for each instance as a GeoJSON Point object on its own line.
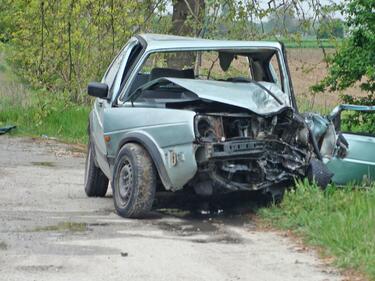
{"type": "Point", "coordinates": [359, 163]}
{"type": "Point", "coordinates": [112, 78]}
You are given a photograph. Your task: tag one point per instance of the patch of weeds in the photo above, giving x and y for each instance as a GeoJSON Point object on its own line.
{"type": "Point", "coordinates": [339, 220]}
{"type": "Point", "coordinates": [64, 226]}
{"type": "Point", "coordinates": [3, 246]}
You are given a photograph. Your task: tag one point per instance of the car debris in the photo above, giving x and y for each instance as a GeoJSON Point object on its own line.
{"type": "Point", "coordinates": [7, 129]}
{"type": "Point", "coordinates": [210, 116]}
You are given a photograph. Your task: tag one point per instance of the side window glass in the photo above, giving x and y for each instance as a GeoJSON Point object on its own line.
{"type": "Point", "coordinates": [110, 75]}
{"type": "Point", "coordinates": [275, 70]}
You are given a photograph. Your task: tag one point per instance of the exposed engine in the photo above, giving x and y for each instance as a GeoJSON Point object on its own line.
{"type": "Point", "coordinates": [241, 151]}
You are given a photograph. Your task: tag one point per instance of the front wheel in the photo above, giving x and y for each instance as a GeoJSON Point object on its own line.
{"type": "Point", "coordinates": [134, 181]}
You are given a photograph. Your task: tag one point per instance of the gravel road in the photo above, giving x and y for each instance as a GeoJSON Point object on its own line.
{"type": "Point", "coordinates": [49, 230]}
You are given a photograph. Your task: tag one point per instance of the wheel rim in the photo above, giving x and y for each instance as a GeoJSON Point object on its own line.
{"type": "Point", "coordinates": [125, 183]}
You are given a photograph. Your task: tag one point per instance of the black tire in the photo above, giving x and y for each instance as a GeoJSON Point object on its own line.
{"type": "Point", "coordinates": [96, 183]}
{"type": "Point", "coordinates": [134, 182]}
{"type": "Point", "coordinates": [318, 172]}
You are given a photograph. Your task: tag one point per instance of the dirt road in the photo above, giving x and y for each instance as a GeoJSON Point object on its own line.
{"type": "Point", "coordinates": [49, 230]}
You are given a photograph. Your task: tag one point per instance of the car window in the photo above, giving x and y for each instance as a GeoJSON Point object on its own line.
{"type": "Point", "coordinates": [125, 64]}
{"type": "Point", "coordinates": [209, 65]}
{"type": "Point", "coordinates": [109, 76]}
{"type": "Point", "coordinates": [275, 70]}
{"type": "Point", "coordinates": [236, 66]}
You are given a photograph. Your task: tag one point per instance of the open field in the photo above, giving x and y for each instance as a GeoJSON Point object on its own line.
{"type": "Point", "coordinates": [307, 67]}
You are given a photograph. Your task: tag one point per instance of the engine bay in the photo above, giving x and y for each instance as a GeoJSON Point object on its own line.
{"type": "Point", "coordinates": [242, 151]}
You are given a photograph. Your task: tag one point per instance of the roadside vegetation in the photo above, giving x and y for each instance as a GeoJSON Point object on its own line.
{"type": "Point", "coordinates": [340, 221]}
{"type": "Point", "coordinates": [37, 112]}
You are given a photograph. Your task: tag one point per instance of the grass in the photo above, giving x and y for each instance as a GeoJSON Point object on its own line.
{"type": "Point", "coordinates": [312, 43]}
{"type": "Point", "coordinates": [39, 113]}
{"type": "Point", "coordinates": [341, 221]}
{"type": "Point", "coordinates": [64, 124]}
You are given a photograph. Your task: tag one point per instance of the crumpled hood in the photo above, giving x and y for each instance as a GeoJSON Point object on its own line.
{"type": "Point", "coordinates": [245, 95]}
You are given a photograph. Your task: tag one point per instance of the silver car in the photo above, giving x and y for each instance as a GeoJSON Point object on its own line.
{"type": "Point", "coordinates": [207, 115]}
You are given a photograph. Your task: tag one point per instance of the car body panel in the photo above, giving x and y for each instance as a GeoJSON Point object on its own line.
{"type": "Point", "coordinates": [97, 132]}
{"type": "Point", "coordinates": [359, 164]}
{"type": "Point", "coordinates": [172, 132]}
{"type": "Point", "coordinates": [162, 41]}
{"type": "Point", "coordinates": [245, 95]}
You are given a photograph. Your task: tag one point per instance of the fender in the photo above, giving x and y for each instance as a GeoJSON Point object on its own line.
{"type": "Point", "coordinates": [152, 150]}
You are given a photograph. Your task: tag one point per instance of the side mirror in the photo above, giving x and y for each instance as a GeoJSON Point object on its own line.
{"type": "Point", "coordinates": [99, 90]}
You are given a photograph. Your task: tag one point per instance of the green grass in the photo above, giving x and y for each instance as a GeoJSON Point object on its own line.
{"type": "Point", "coordinates": [312, 43]}
{"type": "Point", "coordinates": [64, 123]}
{"type": "Point", "coordinates": [38, 112]}
{"type": "Point", "coordinates": [340, 220]}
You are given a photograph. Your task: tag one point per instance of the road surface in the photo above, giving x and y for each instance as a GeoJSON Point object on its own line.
{"type": "Point", "coordinates": [49, 230]}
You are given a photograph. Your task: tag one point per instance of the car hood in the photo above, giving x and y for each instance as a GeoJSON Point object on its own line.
{"type": "Point", "coordinates": [244, 95]}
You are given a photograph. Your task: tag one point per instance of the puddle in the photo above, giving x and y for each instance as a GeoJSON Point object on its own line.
{"type": "Point", "coordinates": [3, 246]}
{"type": "Point", "coordinates": [44, 164]}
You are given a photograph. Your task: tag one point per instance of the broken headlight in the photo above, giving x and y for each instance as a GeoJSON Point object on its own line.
{"type": "Point", "coordinates": [208, 128]}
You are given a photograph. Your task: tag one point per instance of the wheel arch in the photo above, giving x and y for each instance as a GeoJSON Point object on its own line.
{"type": "Point", "coordinates": [149, 145]}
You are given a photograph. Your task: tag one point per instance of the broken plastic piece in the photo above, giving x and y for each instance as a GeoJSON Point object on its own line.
{"type": "Point", "coordinates": [6, 129]}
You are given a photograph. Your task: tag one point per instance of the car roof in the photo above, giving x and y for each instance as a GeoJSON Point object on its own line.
{"type": "Point", "coordinates": [162, 41]}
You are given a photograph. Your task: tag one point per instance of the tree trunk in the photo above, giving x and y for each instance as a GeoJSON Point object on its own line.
{"type": "Point", "coordinates": [187, 20]}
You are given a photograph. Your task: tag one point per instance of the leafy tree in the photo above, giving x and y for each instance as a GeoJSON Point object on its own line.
{"type": "Point", "coordinates": [354, 62]}
{"type": "Point", "coordinates": [355, 59]}
{"type": "Point", "coordinates": [331, 28]}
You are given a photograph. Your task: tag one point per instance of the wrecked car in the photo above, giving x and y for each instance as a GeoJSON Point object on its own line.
{"type": "Point", "coordinates": [206, 115]}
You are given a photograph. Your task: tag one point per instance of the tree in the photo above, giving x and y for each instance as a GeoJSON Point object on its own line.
{"type": "Point", "coordinates": [330, 28]}
{"type": "Point", "coordinates": [354, 62]}
{"type": "Point", "coordinates": [355, 59]}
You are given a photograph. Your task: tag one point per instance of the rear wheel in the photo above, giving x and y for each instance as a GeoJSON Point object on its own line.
{"type": "Point", "coordinates": [96, 183]}
{"type": "Point", "coordinates": [134, 181]}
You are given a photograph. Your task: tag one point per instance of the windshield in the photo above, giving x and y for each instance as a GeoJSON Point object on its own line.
{"type": "Point", "coordinates": [238, 66]}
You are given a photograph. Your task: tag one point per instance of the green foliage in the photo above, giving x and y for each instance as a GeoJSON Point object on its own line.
{"type": "Point", "coordinates": [341, 220]}
{"type": "Point", "coordinates": [359, 122]}
{"type": "Point", "coordinates": [354, 63]}
{"type": "Point", "coordinates": [356, 58]}
{"type": "Point", "coordinates": [67, 125]}
{"type": "Point", "coordinates": [46, 114]}
{"type": "Point", "coordinates": [60, 45]}
{"type": "Point", "coordinates": [333, 28]}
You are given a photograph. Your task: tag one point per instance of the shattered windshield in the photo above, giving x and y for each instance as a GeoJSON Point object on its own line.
{"type": "Point", "coordinates": [257, 67]}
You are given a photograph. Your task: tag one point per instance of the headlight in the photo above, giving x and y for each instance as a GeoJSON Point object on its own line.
{"type": "Point", "coordinates": [208, 128]}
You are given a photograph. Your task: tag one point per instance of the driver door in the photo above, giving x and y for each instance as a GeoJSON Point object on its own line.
{"type": "Point", "coordinates": [112, 78]}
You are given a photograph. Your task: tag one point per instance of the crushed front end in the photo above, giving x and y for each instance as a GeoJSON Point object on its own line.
{"type": "Point", "coordinates": [242, 151]}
